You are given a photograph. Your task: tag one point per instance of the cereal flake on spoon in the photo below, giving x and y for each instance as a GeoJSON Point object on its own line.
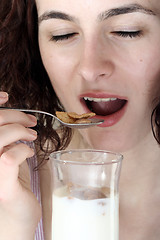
{"type": "Point", "coordinates": [72, 117]}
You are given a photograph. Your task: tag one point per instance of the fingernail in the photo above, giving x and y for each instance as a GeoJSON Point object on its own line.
{"type": "Point", "coordinates": [32, 132]}
{"type": "Point", "coordinates": [32, 118]}
{"type": "Point", "coordinates": [3, 95]}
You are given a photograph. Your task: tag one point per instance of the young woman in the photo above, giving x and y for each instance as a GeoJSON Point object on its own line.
{"type": "Point", "coordinates": [100, 56]}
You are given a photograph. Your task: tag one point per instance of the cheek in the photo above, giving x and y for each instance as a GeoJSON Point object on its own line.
{"type": "Point", "coordinates": [60, 72]}
{"type": "Point", "coordinates": [150, 68]}
{"type": "Point", "coordinates": [56, 68]}
{"type": "Point", "coordinates": [143, 69]}
{"type": "Point", "coordinates": [153, 73]}
{"type": "Point", "coordinates": [59, 64]}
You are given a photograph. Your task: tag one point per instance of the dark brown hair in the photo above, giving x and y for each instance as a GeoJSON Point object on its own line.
{"type": "Point", "coordinates": [22, 73]}
{"type": "Point", "coordinates": [155, 121]}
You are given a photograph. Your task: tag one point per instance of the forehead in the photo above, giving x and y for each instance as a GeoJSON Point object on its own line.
{"type": "Point", "coordinates": [74, 5]}
{"type": "Point", "coordinates": [89, 10]}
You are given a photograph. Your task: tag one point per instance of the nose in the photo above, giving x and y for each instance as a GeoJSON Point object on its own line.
{"type": "Point", "coordinates": [95, 62]}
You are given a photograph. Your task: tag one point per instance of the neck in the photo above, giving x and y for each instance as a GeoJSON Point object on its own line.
{"type": "Point", "coordinates": [141, 163]}
{"type": "Point", "coordinates": [139, 178]}
{"type": "Point", "coordinates": [140, 192]}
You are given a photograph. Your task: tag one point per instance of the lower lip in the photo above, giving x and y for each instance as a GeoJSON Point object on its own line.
{"type": "Point", "coordinates": [112, 119]}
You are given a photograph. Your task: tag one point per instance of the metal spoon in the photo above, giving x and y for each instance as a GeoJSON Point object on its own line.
{"type": "Point", "coordinates": [93, 122]}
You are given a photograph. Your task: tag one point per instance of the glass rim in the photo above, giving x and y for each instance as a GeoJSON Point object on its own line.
{"type": "Point", "coordinates": [118, 157]}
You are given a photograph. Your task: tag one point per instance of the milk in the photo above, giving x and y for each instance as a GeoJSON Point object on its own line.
{"type": "Point", "coordinates": [85, 219]}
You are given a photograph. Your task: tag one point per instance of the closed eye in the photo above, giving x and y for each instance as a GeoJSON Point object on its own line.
{"type": "Point", "coordinates": [128, 34]}
{"type": "Point", "coordinates": [63, 37]}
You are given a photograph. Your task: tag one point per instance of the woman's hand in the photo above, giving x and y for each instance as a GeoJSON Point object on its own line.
{"type": "Point", "coordinates": [19, 209]}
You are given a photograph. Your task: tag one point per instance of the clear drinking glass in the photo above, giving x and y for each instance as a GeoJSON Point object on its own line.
{"type": "Point", "coordinates": [85, 201]}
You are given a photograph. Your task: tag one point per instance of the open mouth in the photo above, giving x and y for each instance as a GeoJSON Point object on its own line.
{"type": "Point", "coordinates": [104, 106]}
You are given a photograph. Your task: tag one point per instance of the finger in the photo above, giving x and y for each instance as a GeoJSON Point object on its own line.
{"type": "Point", "coordinates": [9, 116]}
{"type": "Point", "coordinates": [9, 168]}
{"type": "Point", "coordinates": [14, 132]}
{"type": "Point", "coordinates": [15, 155]}
{"type": "Point", "coordinates": [3, 97]}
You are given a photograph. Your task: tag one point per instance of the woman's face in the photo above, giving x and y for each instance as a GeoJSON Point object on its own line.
{"type": "Point", "coordinates": [104, 56]}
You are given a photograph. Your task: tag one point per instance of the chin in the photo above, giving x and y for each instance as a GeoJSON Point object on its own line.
{"type": "Point", "coordinates": [108, 141]}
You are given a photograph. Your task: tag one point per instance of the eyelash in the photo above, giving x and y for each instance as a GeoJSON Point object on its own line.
{"type": "Point", "coordinates": [123, 34]}
{"type": "Point", "coordinates": [126, 34]}
{"type": "Point", "coordinates": [62, 37]}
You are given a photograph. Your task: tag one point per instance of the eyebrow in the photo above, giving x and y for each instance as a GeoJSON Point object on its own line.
{"type": "Point", "coordinates": [102, 16]}
{"type": "Point", "coordinates": [55, 15]}
{"type": "Point", "coordinates": [124, 10]}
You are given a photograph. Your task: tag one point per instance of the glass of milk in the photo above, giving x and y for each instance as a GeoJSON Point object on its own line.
{"type": "Point", "coordinates": [85, 200]}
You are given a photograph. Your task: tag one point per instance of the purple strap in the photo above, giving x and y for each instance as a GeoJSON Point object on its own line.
{"type": "Point", "coordinates": [35, 186]}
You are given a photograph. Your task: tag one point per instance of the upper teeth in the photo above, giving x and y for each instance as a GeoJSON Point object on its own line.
{"type": "Point", "coordinates": [99, 99]}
